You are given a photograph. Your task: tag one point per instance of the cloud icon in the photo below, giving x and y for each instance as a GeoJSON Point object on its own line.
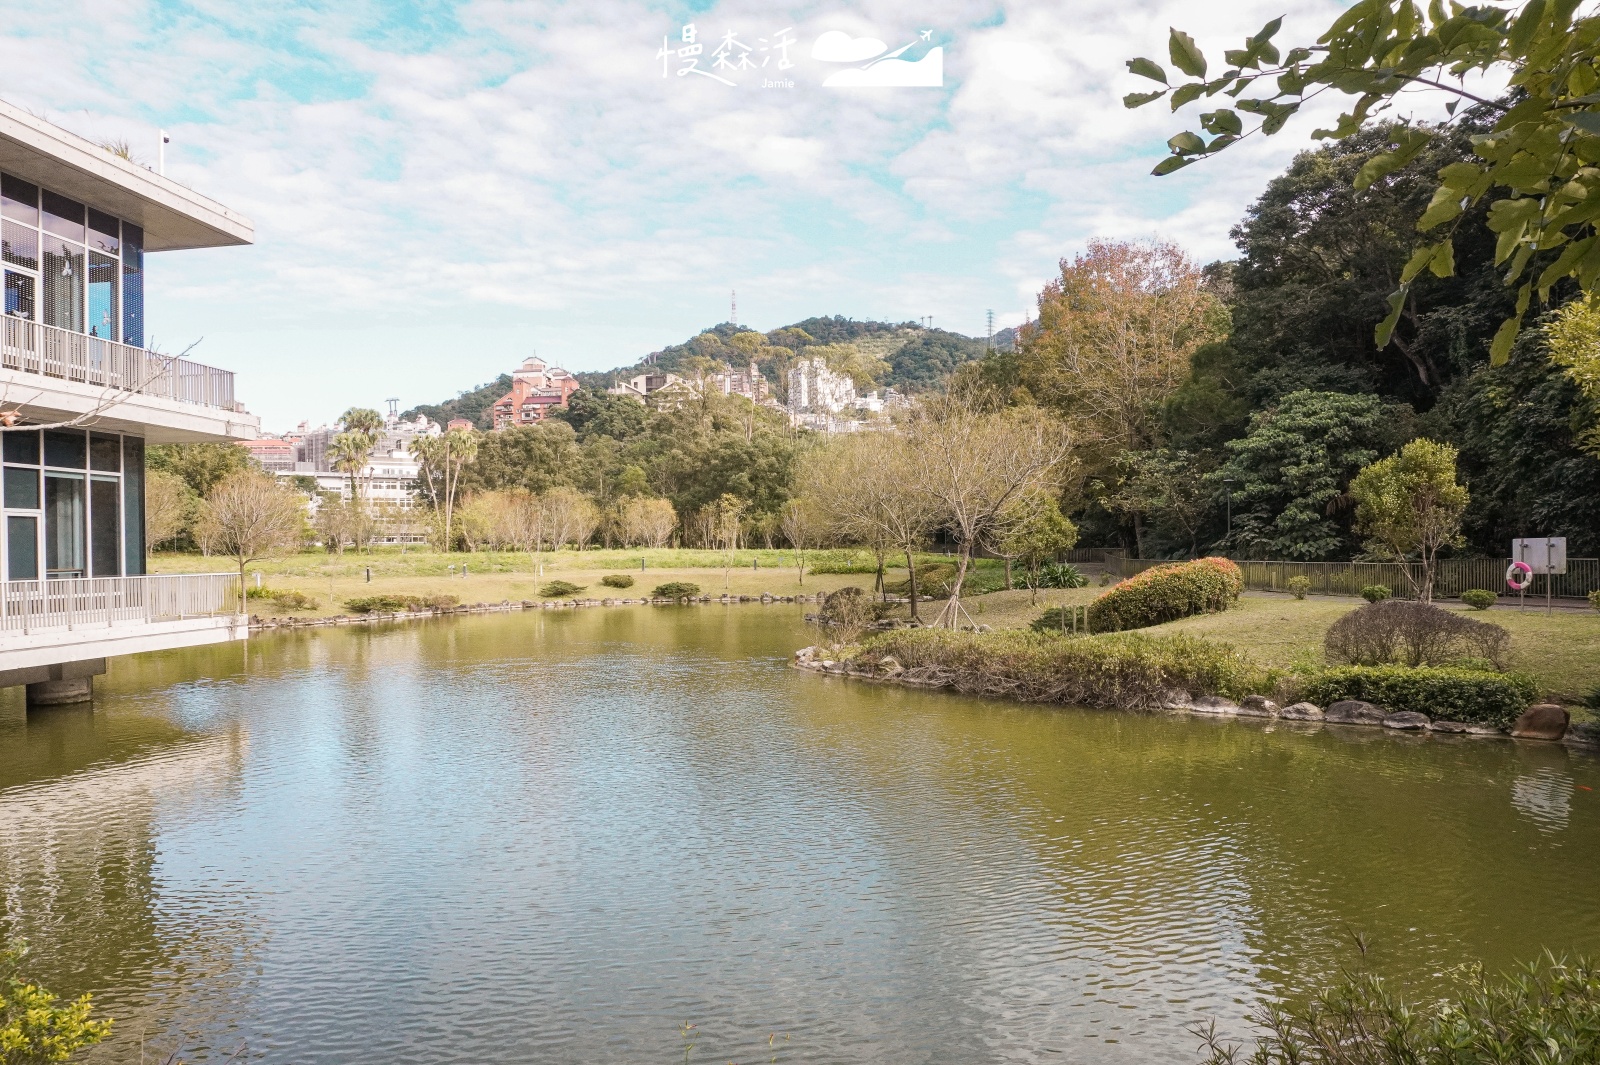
{"type": "Point", "coordinates": [927, 72]}
{"type": "Point", "coordinates": [836, 46]}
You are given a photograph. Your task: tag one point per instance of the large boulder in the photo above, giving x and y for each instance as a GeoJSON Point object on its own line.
{"type": "Point", "coordinates": [1301, 712]}
{"type": "Point", "coordinates": [1546, 721]}
{"type": "Point", "coordinates": [1353, 712]}
{"type": "Point", "coordinates": [1213, 704]}
{"type": "Point", "coordinates": [1258, 706]}
{"type": "Point", "coordinates": [1407, 721]}
{"type": "Point", "coordinates": [1582, 735]}
{"type": "Point", "coordinates": [1176, 699]}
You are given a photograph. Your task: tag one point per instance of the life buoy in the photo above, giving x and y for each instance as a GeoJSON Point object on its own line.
{"type": "Point", "coordinates": [1518, 576]}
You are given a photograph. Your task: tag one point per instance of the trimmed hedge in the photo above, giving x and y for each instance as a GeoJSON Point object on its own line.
{"type": "Point", "coordinates": [1126, 671]}
{"type": "Point", "coordinates": [617, 580]}
{"type": "Point", "coordinates": [560, 590]}
{"type": "Point", "coordinates": [1167, 593]}
{"type": "Point", "coordinates": [675, 590]}
{"type": "Point", "coordinates": [1478, 697]}
{"type": "Point", "coordinates": [1479, 598]}
{"type": "Point", "coordinates": [391, 604]}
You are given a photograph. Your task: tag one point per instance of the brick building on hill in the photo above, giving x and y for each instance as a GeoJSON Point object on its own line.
{"type": "Point", "coordinates": [535, 388]}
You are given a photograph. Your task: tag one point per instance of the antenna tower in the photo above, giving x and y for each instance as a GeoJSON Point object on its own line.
{"type": "Point", "coordinates": [733, 307]}
{"type": "Point", "coordinates": [394, 407]}
{"type": "Point", "coordinates": [991, 329]}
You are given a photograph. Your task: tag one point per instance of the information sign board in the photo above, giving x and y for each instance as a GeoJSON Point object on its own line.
{"type": "Point", "coordinates": [1543, 554]}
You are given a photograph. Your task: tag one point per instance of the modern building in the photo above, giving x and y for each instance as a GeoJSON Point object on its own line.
{"type": "Point", "coordinates": [81, 397]}
{"type": "Point", "coordinates": [536, 388]}
{"type": "Point", "coordinates": [275, 455]}
{"type": "Point", "coordinates": [815, 389]}
{"type": "Point", "coordinates": [748, 383]}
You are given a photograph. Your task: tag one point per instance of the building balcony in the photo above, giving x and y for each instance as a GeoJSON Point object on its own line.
{"type": "Point", "coordinates": [45, 623]}
{"type": "Point", "coordinates": [61, 375]}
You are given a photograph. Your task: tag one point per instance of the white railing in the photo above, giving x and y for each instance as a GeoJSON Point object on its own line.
{"type": "Point", "coordinates": [28, 607]}
{"type": "Point", "coordinates": [33, 347]}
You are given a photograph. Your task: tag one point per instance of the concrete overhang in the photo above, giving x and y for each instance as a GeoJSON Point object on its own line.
{"type": "Point", "coordinates": [56, 646]}
{"type": "Point", "coordinates": [43, 400]}
{"type": "Point", "coordinates": [173, 217]}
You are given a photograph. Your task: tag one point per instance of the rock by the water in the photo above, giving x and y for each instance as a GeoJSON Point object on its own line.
{"type": "Point", "coordinates": [1258, 706]}
{"type": "Point", "coordinates": [1546, 721]}
{"type": "Point", "coordinates": [890, 667]}
{"type": "Point", "coordinates": [1176, 699]}
{"type": "Point", "coordinates": [1214, 704]}
{"type": "Point", "coordinates": [1582, 735]}
{"type": "Point", "coordinates": [805, 654]}
{"type": "Point", "coordinates": [1353, 712]}
{"type": "Point", "coordinates": [1301, 712]}
{"type": "Point", "coordinates": [1406, 721]}
{"type": "Point", "coordinates": [1449, 726]}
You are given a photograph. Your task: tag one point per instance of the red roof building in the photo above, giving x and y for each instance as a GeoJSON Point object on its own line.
{"type": "Point", "coordinates": [536, 388]}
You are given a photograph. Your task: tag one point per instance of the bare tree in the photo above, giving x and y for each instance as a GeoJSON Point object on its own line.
{"type": "Point", "coordinates": [250, 516]}
{"type": "Point", "coordinates": [569, 516]}
{"type": "Point", "coordinates": [974, 462]}
{"type": "Point", "coordinates": [648, 522]}
{"type": "Point", "coordinates": [725, 528]}
{"type": "Point", "coordinates": [801, 526]}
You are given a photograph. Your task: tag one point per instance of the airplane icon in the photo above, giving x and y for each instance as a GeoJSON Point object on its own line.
{"type": "Point", "coordinates": [927, 35]}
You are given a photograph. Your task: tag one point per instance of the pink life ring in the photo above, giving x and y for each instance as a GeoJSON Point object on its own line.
{"type": "Point", "coordinates": [1518, 576]}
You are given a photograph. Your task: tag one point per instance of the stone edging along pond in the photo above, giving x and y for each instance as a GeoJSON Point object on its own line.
{"type": "Point", "coordinates": [1542, 722]}
{"type": "Point", "coordinates": [258, 624]}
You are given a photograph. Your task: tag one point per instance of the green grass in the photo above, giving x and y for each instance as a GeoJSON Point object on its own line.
{"type": "Point", "coordinates": [1562, 651]}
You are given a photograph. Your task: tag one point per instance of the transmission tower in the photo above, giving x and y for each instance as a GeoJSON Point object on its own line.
{"type": "Point", "coordinates": [394, 407]}
{"type": "Point", "coordinates": [733, 307]}
{"type": "Point", "coordinates": [991, 329]}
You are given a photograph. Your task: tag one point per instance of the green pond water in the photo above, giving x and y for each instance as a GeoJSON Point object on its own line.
{"type": "Point", "coordinates": [556, 836]}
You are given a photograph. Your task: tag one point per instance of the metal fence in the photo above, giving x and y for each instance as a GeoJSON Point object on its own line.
{"type": "Point", "coordinates": [100, 602]}
{"type": "Point", "coordinates": [35, 348]}
{"type": "Point", "coordinates": [1452, 577]}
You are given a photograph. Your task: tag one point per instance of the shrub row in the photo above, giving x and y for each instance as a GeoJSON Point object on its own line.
{"type": "Point", "coordinates": [1167, 593]}
{"type": "Point", "coordinates": [1479, 697]}
{"type": "Point", "coordinates": [387, 604]}
{"type": "Point", "coordinates": [1123, 671]}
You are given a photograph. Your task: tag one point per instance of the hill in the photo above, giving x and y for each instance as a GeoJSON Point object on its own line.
{"type": "Point", "coordinates": [905, 356]}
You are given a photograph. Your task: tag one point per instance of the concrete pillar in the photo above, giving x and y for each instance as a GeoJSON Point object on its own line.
{"type": "Point", "coordinates": [61, 692]}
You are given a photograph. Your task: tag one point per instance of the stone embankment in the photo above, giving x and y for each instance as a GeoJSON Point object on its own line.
{"type": "Point", "coordinates": [506, 606]}
{"type": "Point", "coordinates": [1545, 721]}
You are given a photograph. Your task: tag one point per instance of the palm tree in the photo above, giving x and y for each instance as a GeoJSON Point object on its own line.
{"type": "Point", "coordinates": [442, 458]}
{"type": "Point", "coordinates": [368, 425]}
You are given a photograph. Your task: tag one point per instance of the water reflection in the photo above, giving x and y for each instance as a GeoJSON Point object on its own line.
{"type": "Point", "coordinates": [552, 837]}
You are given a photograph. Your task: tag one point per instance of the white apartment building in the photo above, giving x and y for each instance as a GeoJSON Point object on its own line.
{"type": "Point", "coordinates": [81, 397]}
{"type": "Point", "coordinates": [814, 389]}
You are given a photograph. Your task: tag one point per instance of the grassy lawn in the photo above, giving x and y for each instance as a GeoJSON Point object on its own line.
{"type": "Point", "coordinates": [495, 576]}
{"type": "Point", "coordinates": [1562, 651]}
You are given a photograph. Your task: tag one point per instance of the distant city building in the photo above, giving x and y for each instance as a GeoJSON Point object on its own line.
{"type": "Point", "coordinates": [815, 389]}
{"type": "Point", "coordinates": [536, 389]}
{"type": "Point", "coordinates": [748, 383]}
{"type": "Point", "coordinates": [664, 391]}
{"type": "Point", "coordinates": [459, 423]}
{"type": "Point", "coordinates": [275, 455]}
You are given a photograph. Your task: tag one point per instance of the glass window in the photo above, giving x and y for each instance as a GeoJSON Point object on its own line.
{"type": "Point", "coordinates": [22, 446]}
{"type": "Point", "coordinates": [62, 285]}
{"type": "Point", "coordinates": [103, 316]}
{"type": "Point", "coordinates": [64, 513]}
{"type": "Point", "coordinates": [133, 503]}
{"type": "Point", "coordinates": [62, 216]}
{"type": "Point", "coordinates": [22, 548]}
{"type": "Point", "coordinates": [65, 448]}
{"type": "Point", "coordinates": [22, 487]}
{"type": "Point", "coordinates": [19, 199]}
{"type": "Point", "coordinates": [19, 245]}
{"type": "Point", "coordinates": [105, 453]}
{"type": "Point", "coordinates": [103, 232]}
{"type": "Point", "coordinates": [105, 527]}
{"type": "Point", "coordinates": [132, 285]}
{"type": "Point", "coordinates": [19, 295]}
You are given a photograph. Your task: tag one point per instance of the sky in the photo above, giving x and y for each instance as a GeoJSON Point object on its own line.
{"type": "Point", "coordinates": [441, 189]}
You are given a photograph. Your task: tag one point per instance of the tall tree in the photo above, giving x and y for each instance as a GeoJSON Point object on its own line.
{"type": "Point", "coordinates": [249, 516]}
{"type": "Point", "coordinates": [1410, 506]}
{"type": "Point", "coordinates": [441, 460]}
{"type": "Point", "coordinates": [1114, 338]}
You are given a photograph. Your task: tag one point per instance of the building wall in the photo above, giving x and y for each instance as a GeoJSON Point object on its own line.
{"type": "Point", "coordinates": [73, 504]}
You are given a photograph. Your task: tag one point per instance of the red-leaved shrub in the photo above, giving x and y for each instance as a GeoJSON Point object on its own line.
{"type": "Point", "coordinates": [1167, 593]}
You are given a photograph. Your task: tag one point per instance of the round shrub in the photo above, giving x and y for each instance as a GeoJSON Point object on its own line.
{"type": "Point", "coordinates": [1594, 600]}
{"type": "Point", "coordinates": [1474, 696]}
{"type": "Point", "coordinates": [1298, 586]}
{"type": "Point", "coordinates": [1417, 634]}
{"type": "Point", "coordinates": [675, 590]}
{"type": "Point", "coordinates": [1479, 598]}
{"type": "Point", "coordinates": [560, 589]}
{"type": "Point", "coordinates": [289, 599]}
{"type": "Point", "coordinates": [1376, 593]}
{"type": "Point", "coordinates": [1167, 593]}
{"type": "Point", "coordinates": [617, 580]}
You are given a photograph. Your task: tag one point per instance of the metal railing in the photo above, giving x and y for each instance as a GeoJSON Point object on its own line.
{"type": "Point", "coordinates": [35, 348]}
{"type": "Point", "coordinates": [27, 607]}
{"type": "Point", "coordinates": [1452, 577]}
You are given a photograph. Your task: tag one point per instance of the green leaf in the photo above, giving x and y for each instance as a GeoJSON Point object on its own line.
{"type": "Point", "coordinates": [1169, 164]}
{"type": "Point", "coordinates": [1563, 265]}
{"type": "Point", "coordinates": [1147, 69]}
{"type": "Point", "coordinates": [1223, 120]}
{"type": "Point", "coordinates": [1139, 99]}
{"type": "Point", "coordinates": [1186, 56]}
{"type": "Point", "coordinates": [1526, 26]}
{"type": "Point", "coordinates": [1187, 93]}
{"type": "Point", "coordinates": [1416, 264]}
{"type": "Point", "coordinates": [1588, 121]}
{"type": "Point", "coordinates": [1186, 143]}
{"type": "Point", "coordinates": [1297, 55]}
{"type": "Point", "coordinates": [1239, 57]}
{"type": "Point", "coordinates": [1443, 263]}
{"type": "Point", "coordinates": [1268, 31]}
{"type": "Point", "coordinates": [1385, 330]}
{"type": "Point", "coordinates": [1504, 337]}
{"type": "Point", "coordinates": [1445, 205]}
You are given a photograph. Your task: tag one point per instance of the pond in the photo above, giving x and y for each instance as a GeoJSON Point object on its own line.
{"type": "Point", "coordinates": [557, 836]}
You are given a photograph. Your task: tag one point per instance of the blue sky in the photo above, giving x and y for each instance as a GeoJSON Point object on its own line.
{"type": "Point", "coordinates": [440, 189]}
